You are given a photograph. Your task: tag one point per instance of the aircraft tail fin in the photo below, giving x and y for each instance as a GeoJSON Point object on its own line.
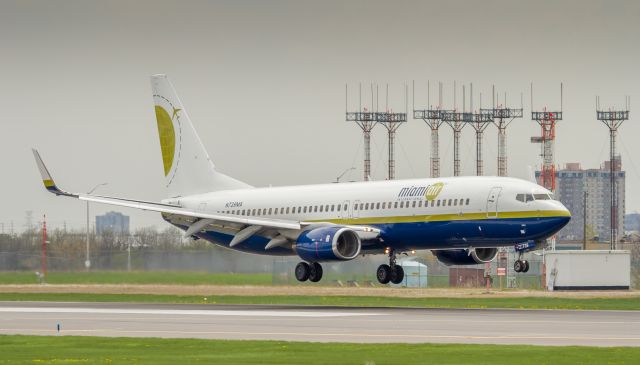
{"type": "Point", "coordinates": [187, 167]}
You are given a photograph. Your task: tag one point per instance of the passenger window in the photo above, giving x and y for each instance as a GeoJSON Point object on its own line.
{"type": "Point", "coordinates": [377, 205]}
{"type": "Point", "coordinates": [322, 206]}
{"type": "Point", "coordinates": [366, 206]}
{"type": "Point", "coordinates": [326, 208]}
{"type": "Point", "coordinates": [270, 211]}
{"type": "Point", "coordinates": [305, 209]}
{"type": "Point", "coordinates": [287, 210]}
{"type": "Point", "coordinates": [395, 205]}
{"type": "Point", "coordinates": [455, 202]}
{"type": "Point", "coordinates": [438, 203]}
{"type": "Point", "coordinates": [333, 206]}
{"type": "Point", "coordinates": [414, 204]}
{"type": "Point", "coordinates": [467, 201]}
{"type": "Point", "coordinates": [346, 206]}
{"type": "Point", "coordinates": [338, 206]}
{"type": "Point", "coordinates": [361, 206]}
{"type": "Point", "coordinates": [384, 205]}
{"type": "Point", "coordinates": [449, 204]}
{"type": "Point", "coordinates": [420, 204]}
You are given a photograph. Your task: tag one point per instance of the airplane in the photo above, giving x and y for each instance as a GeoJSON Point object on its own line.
{"type": "Point", "coordinates": [462, 220]}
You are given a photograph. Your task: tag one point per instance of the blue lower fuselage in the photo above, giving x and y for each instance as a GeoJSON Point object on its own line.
{"type": "Point", "coordinates": [426, 235]}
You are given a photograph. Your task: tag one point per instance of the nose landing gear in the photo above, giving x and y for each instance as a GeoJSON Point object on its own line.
{"type": "Point", "coordinates": [311, 272]}
{"type": "Point", "coordinates": [390, 273]}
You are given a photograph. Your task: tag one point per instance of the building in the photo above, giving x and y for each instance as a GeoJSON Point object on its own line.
{"type": "Point", "coordinates": [113, 222]}
{"type": "Point", "coordinates": [632, 222]}
{"type": "Point", "coordinates": [572, 183]}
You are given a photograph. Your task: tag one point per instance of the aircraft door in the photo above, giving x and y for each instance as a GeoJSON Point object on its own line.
{"type": "Point", "coordinates": [492, 202]}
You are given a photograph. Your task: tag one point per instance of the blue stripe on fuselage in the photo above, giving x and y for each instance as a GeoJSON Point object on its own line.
{"type": "Point", "coordinates": [428, 235]}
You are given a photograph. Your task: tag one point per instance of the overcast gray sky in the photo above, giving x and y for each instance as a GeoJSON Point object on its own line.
{"type": "Point", "coordinates": [263, 82]}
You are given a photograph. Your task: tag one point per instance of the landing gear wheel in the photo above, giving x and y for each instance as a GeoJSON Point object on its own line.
{"type": "Point", "coordinates": [315, 272]}
{"type": "Point", "coordinates": [526, 266]}
{"type": "Point", "coordinates": [383, 274]}
{"type": "Point", "coordinates": [302, 271]}
{"type": "Point", "coordinates": [518, 266]}
{"type": "Point", "coordinates": [397, 274]}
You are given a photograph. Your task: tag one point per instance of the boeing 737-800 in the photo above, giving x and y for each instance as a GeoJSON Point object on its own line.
{"type": "Point", "coordinates": [463, 220]}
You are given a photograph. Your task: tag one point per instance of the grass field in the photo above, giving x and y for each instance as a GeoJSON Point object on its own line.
{"type": "Point", "coordinates": [101, 350]}
{"type": "Point", "coordinates": [626, 303]}
{"type": "Point", "coordinates": [139, 277]}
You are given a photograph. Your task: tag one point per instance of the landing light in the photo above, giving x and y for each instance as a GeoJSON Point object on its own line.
{"type": "Point", "coordinates": [386, 250]}
{"type": "Point", "coordinates": [413, 252]}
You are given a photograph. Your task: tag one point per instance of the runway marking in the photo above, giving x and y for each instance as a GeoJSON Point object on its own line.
{"type": "Point", "coordinates": [357, 335]}
{"type": "Point", "coordinates": [201, 312]}
{"type": "Point", "coordinates": [377, 320]}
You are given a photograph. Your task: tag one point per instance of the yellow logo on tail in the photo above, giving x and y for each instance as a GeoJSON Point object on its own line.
{"type": "Point", "coordinates": [167, 137]}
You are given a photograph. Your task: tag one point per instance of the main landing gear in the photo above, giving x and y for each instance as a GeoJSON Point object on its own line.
{"type": "Point", "coordinates": [521, 266]}
{"type": "Point", "coordinates": [390, 273]}
{"type": "Point", "coordinates": [311, 272]}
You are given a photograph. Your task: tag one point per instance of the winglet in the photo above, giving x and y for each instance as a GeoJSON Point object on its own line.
{"type": "Point", "coordinates": [49, 184]}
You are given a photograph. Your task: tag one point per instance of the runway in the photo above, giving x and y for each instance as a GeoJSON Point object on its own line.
{"type": "Point", "coordinates": [324, 324]}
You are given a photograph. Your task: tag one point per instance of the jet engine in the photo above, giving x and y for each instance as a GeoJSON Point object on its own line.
{"type": "Point", "coordinates": [465, 256]}
{"type": "Point", "coordinates": [331, 243]}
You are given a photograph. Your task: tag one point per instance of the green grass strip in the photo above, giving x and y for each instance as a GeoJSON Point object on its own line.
{"type": "Point", "coordinates": [628, 303]}
{"type": "Point", "coordinates": [139, 277]}
{"type": "Point", "coordinates": [102, 350]}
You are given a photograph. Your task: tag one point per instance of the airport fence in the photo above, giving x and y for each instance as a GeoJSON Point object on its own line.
{"type": "Point", "coordinates": [64, 254]}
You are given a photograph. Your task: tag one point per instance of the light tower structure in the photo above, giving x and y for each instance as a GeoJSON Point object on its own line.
{"type": "Point", "coordinates": [456, 120]}
{"type": "Point", "coordinates": [613, 119]}
{"type": "Point", "coordinates": [479, 122]}
{"type": "Point", "coordinates": [502, 116]}
{"type": "Point", "coordinates": [366, 120]}
{"type": "Point", "coordinates": [547, 121]}
{"type": "Point", "coordinates": [433, 118]}
{"type": "Point", "coordinates": [392, 121]}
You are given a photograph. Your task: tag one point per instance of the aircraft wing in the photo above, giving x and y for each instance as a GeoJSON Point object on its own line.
{"type": "Point", "coordinates": [253, 224]}
{"type": "Point", "coordinates": [51, 186]}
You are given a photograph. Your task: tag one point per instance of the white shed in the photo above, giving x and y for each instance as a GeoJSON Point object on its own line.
{"type": "Point", "coordinates": [415, 274]}
{"type": "Point", "coordinates": [588, 270]}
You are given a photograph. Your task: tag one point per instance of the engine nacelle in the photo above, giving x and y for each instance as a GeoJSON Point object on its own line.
{"type": "Point", "coordinates": [331, 243]}
{"type": "Point", "coordinates": [464, 257]}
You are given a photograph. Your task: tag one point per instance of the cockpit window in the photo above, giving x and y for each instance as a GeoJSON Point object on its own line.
{"type": "Point", "coordinates": [525, 197]}
{"type": "Point", "coordinates": [542, 196]}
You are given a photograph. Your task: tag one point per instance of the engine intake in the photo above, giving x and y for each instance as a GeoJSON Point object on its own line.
{"type": "Point", "coordinates": [331, 243]}
{"type": "Point", "coordinates": [464, 257]}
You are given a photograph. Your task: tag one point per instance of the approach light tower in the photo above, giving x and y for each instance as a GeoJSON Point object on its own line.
{"type": "Point", "coordinates": [456, 120]}
{"type": "Point", "coordinates": [366, 120]}
{"type": "Point", "coordinates": [433, 118]}
{"type": "Point", "coordinates": [479, 123]}
{"type": "Point", "coordinates": [502, 116]}
{"type": "Point", "coordinates": [392, 121]}
{"type": "Point", "coordinates": [613, 119]}
{"type": "Point", "coordinates": [547, 121]}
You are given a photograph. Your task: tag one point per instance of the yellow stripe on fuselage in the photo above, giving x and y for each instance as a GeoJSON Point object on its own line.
{"type": "Point", "coordinates": [48, 183]}
{"type": "Point", "coordinates": [447, 217]}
